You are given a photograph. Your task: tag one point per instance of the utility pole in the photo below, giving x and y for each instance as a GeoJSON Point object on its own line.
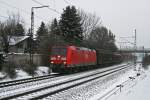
{"type": "Point", "coordinates": [31, 36]}
{"type": "Point", "coordinates": [32, 32]}
{"type": "Point", "coordinates": [135, 47]}
{"type": "Point", "coordinates": [32, 22]}
{"type": "Point", "coordinates": [135, 40]}
{"type": "Point", "coordinates": [134, 43]}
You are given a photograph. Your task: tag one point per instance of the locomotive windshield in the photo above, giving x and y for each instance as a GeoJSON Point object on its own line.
{"type": "Point", "coordinates": [58, 51]}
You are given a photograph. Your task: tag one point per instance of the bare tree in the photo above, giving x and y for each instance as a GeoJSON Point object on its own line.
{"type": "Point", "coordinates": [89, 22]}
{"type": "Point", "coordinates": [102, 38]}
{"type": "Point", "coordinates": [7, 30]}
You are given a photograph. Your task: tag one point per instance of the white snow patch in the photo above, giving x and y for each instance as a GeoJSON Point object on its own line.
{"type": "Point", "coordinates": [42, 70]}
{"type": "Point", "coordinates": [2, 75]}
{"type": "Point", "coordinates": [22, 74]}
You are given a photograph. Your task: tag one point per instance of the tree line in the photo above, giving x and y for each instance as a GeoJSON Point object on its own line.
{"type": "Point", "coordinates": [75, 27]}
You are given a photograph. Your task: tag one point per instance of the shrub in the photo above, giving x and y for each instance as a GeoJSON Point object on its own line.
{"type": "Point", "coordinates": [30, 68]}
{"type": "Point", "coordinates": [9, 68]}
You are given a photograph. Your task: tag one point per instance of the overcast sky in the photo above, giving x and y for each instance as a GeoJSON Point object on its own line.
{"type": "Point", "coordinates": [120, 16]}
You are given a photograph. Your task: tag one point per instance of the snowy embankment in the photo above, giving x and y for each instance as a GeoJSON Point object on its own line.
{"type": "Point", "coordinates": [105, 88]}
{"type": "Point", "coordinates": [90, 89]}
{"type": "Point", "coordinates": [41, 70]}
{"type": "Point", "coordinates": [26, 87]}
{"type": "Point", "coordinates": [139, 89]}
{"type": "Point", "coordinates": [133, 87]}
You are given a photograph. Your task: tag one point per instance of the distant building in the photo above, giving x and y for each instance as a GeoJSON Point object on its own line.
{"type": "Point", "coordinates": [18, 44]}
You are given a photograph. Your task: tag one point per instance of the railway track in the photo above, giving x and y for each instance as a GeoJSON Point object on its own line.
{"type": "Point", "coordinates": [27, 80]}
{"type": "Point", "coordinates": [57, 86]}
{"type": "Point", "coordinates": [23, 83]}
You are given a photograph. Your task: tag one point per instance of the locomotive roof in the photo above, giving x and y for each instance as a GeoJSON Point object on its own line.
{"type": "Point", "coordinates": [75, 47]}
{"type": "Point", "coordinates": [83, 48]}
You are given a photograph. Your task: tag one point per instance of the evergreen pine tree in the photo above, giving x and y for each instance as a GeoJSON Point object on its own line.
{"type": "Point", "coordinates": [70, 25]}
{"type": "Point", "coordinates": [41, 32]}
{"type": "Point", "coordinates": [54, 29]}
{"type": "Point", "coordinates": [19, 30]}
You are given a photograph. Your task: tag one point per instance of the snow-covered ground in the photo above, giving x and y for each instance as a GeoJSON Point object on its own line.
{"type": "Point", "coordinates": [29, 86]}
{"type": "Point", "coordinates": [133, 87]}
{"type": "Point", "coordinates": [104, 88]}
{"type": "Point", "coordinates": [41, 70]}
{"type": "Point", "coordinates": [92, 89]}
{"type": "Point", "coordinates": [138, 90]}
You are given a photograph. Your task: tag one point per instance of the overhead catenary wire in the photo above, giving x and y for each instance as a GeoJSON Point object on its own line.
{"type": "Point", "coordinates": [9, 5]}
{"type": "Point", "coordinates": [19, 9]}
{"type": "Point", "coordinates": [67, 2]}
{"type": "Point", "coordinates": [47, 7]}
{"type": "Point", "coordinates": [8, 18]}
{"type": "Point", "coordinates": [20, 21]}
{"type": "Point", "coordinates": [127, 41]}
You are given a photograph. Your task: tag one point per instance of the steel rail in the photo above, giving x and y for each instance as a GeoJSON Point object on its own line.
{"type": "Point", "coordinates": [27, 80]}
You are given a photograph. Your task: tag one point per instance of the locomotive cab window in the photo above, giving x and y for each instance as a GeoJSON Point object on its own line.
{"type": "Point", "coordinates": [58, 51]}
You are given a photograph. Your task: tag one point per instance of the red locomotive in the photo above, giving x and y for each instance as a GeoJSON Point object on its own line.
{"type": "Point", "coordinates": [71, 58]}
{"type": "Point", "coordinates": [66, 59]}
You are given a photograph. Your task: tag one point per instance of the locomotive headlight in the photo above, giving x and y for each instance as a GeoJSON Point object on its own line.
{"type": "Point", "coordinates": [63, 58]}
{"type": "Point", "coordinates": [53, 58]}
{"type": "Point", "coordinates": [58, 56]}
{"type": "Point", "coordinates": [64, 62]}
{"type": "Point", "coordinates": [52, 62]}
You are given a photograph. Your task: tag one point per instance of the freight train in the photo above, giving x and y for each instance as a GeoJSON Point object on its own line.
{"type": "Point", "coordinates": [68, 59]}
